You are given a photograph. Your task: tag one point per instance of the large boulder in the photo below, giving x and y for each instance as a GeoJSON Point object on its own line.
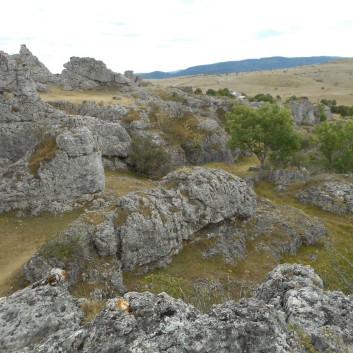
{"type": "Point", "coordinates": [58, 172]}
{"type": "Point", "coordinates": [289, 312]}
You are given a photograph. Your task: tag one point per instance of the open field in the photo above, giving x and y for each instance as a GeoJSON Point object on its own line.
{"type": "Point", "coordinates": [333, 80]}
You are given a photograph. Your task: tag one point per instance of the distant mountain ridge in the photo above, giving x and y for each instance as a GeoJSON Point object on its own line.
{"type": "Point", "coordinates": [271, 63]}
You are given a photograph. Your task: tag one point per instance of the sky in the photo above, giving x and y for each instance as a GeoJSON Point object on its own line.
{"type": "Point", "coordinates": [168, 35]}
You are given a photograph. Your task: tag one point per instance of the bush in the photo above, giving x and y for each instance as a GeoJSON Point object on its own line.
{"type": "Point", "coordinates": [211, 92]}
{"type": "Point", "coordinates": [261, 97]}
{"type": "Point", "coordinates": [147, 158]}
{"type": "Point", "coordinates": [198, 91]}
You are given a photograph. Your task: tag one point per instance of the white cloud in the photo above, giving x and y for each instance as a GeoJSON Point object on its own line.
{"type": "Point", "coordinates": [168, 35]}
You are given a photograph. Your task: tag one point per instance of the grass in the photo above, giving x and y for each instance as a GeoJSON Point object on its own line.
{"type": "Point", "coordinates": [303, 80]}
{"type": "Point", "coordinates": [21, 237]}
{"type": "Point", "coordinates": [44, 152]}
{"type": "Point", "coordinates": [102, 96]}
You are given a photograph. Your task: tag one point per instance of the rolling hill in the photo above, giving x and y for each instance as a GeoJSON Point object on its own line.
{"type": "Point", "coordinates": [274, 62]}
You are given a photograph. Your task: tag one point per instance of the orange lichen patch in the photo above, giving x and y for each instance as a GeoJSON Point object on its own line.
{"type": "Point", "coordinates": [123, 304]}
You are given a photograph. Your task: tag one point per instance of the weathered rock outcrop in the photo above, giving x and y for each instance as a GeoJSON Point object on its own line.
{"type": "Point", "coordinates": [60, 171]}
{"type": "Point", "coordinates": [288, 176]}
{"type": "Point", "coordinates": [273, 230]}
{"type": "Point", "coordinates": [306, 113]}
{"type": "Point", "coordinates": [16, 78]}
{"type": "Point", "coordinates": [38, 71]}
{"type": "Point", "coordinates": [146, 228]}
{"type": "Point", "coordinates": [88, 73]}
{"type": "Point", "coordinates": [289, 312]}
{"type": "Point", "coordinates": [333, 194]}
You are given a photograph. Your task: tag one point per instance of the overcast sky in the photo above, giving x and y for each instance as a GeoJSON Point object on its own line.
{"type": "Point", "coordinates": [167, 35]}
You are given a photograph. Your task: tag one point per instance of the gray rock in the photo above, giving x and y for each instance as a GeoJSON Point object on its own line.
{"type": "Point", "coordinates": [59, 172]}
{"type": "Point", "coordinates": [87, 73]}
{"type": "Point", "coordinates": [274, 229]}
{"type": "Point", "coordinates": [333, 195]}
{"type": "Point", "coordinates": [289, 312]}
{"type": "Point", "coordinates": [306, 113]}
{"type": "Point", "coordinates": [31, 316]}
{"type": "Point", "coordinates": [16, 78]}
{"type": "Point", "coordinates": [38, 71]}
{"type": "Point", "coordinates": [288, 176]}
{"type": "Point", "coordinates": [184, 202]}
{"type": "Point", "coordinates": [145, 228]}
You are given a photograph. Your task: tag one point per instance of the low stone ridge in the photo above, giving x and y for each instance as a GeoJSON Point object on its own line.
{"type": "Point", "coordinates": [88, 73]}
{"type": "Point", "coordinates": [288, 312]}
{"type": "Point", "coordinates": [60, 171]}
{"type": "Point", "coordinates": [306, 113]}
{"type": "Point", "coordinates": [38, 71]}
{"type": "Point", "coordinates": [145, 228]}
{"type": "Point", "coordinates": [332, 194]}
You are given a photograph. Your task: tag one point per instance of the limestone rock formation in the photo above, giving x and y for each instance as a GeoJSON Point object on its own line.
{"type": "Point", "coordinates": [184, 202]}
{"type": "Point", "coordinates": [288, 176]}
{"type": "Point", "coordinates": [273, 230]}
{"type": "Point", "coordinates": [16, 78]}
{"type": "Point", "coordinates": [60, 171]}
{"type": "Point", "coordinates": [87, 73]}
{"type": "Point", "coordinates": [289, 312]}
{"type": "Point", "coordinates": [145, 228]}
{"type": "Point", "coordinates": [38, 71]}
{"type": "Point", "coordinates": [333, 194]}
{"type": "Point", "coordinates": [306, 113]}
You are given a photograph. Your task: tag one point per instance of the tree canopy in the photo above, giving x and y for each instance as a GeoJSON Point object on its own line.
{"type": "Point", "coordinates": [336, 144]}
{"type": "Point", "coordinates": [267, 132]}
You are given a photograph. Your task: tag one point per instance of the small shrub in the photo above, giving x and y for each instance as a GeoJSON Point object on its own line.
{"type": "Point", "coordinates": [211, 92]}
{"type": "Point", "coordinates": [198, 90]}
{"type": "Point", "coordinates": [147, 158]}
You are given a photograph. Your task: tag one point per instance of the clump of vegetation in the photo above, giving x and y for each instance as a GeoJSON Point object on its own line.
{"type": "Point", "coordinates": [198, 91]}
{"type": "Point", "coordinates": [44, 152]}
{"type": "Point", "coordinates": [148, 158]}
{"type": "Point", "coordinates": [261, 97]}
{"type": "Point", "coordinates": [223, 92]}
{"type": "Point", "coordinates": [131, 116]}
{"type": "Point", "coordinates": [91, 308]}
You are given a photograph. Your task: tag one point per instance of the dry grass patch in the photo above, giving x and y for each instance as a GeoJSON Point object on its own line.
{"type": "Point", "coordinates": [122, 182]}
{"type": "Point", "coordinates": [307, 80]}
{"type": "Point", "coordinates": [44, 152]}
{"type": "Point", "coordinates": [102, 96]}
{"type": "Point", "coordinates": [21, 237]}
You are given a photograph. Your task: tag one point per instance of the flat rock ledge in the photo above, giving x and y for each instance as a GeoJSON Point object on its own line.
{"type": "Point", "coordinates": [288, 312]}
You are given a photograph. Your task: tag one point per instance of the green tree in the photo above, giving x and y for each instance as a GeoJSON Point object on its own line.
{"type": "Point", "coordinates": [335, 142]}
{"type": "Point", "coordinates": [267, 132]}
{"type": "Point", "coordinates": [198, 90]}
